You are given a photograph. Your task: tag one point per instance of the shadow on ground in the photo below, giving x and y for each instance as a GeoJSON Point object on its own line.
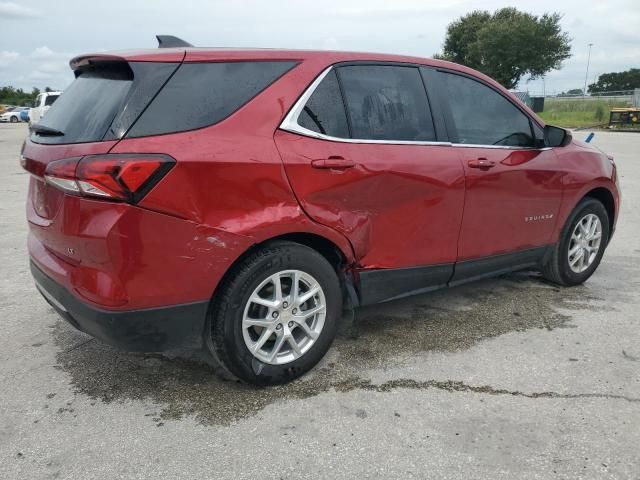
{"type": "Point", "coordinates": [382, 335]}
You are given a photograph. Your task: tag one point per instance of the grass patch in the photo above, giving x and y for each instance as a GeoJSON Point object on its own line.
{"type": "Point", "coordinates": [578, 112]}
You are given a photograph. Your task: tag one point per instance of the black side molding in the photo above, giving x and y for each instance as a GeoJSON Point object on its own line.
{"type": "Point", "coordinates": [385, 284]}
{"type": "Point", "coordinates": [169, 41]}
{"type": "Point", "coordinates": [389, 284]}
{"type": "Point", "coordinates": [477, 269]}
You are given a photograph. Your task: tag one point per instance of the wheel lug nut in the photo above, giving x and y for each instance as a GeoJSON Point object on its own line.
{"type": "Point", "coordinates": [274, 314]}
{"type": "Point", "coordinates": [290, 324]}
{"type": "Point", "coordinates": [285, 304]}
{"type": "Point", "coordinates": [279, 326]}
{"type": "Point", "coordinates": [294, 311]}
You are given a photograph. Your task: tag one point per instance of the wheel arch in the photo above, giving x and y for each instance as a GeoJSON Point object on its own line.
{"type": "Point", "coordinates": [604, 196]}
{"type": "Point", "coordinates": [603, 190]}
{"type": "Point", "coordinates": [336, 257]}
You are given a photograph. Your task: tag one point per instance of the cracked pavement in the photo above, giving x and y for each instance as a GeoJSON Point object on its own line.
{"type": "Point", "coordinates": [504, 378]}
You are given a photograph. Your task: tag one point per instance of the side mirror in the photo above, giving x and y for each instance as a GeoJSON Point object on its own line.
{"type": "Point", "coordinates": [556, 136]}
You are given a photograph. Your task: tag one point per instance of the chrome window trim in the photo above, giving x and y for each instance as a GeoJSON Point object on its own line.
{"type": "Point", "coordinates": [290, 124]}
{"type": "Point", "coordinates": [502, 147]}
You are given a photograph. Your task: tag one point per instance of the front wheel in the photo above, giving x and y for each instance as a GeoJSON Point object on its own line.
{"type": "Point", "coordinates": [275, 315]}
{"type": "Point", "coordinates": [14, 120]}
{"type": "Point", "coordinates": [582, 243]}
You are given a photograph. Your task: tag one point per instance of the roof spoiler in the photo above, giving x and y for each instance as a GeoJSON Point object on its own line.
{"type": "Point", "coordinates": [169, 41]}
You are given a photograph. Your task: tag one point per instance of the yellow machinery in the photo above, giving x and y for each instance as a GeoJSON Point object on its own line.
{"type": "Point", "coordinates": [623, 117]}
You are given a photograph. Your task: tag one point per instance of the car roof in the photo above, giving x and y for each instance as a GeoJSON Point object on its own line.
{"type": "Point", "coordinates": [226, 53]}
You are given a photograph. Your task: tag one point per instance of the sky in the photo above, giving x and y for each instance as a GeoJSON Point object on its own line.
{"type": "Point", "coordinates": [39, 37]}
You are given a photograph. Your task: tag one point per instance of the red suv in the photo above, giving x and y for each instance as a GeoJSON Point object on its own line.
{"type": "Point", "coordinates": [237, 200]}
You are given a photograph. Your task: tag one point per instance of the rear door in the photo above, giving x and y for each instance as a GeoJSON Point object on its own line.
{"type": "Point", "coordinates": [513, 187]}
{"type": "Point", "coordinates": [361, 151]}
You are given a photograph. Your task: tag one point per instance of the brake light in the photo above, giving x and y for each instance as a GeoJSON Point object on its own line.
{"type": "Point", "coordinates": [123, 177]}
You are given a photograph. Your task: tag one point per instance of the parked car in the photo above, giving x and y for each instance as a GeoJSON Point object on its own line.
{"type": "Point", "coordinates": [237, 200]}
{"type": "Point", "coordinates": [12, 115]}
{"type": "Point", "coordinates": [42, 104]}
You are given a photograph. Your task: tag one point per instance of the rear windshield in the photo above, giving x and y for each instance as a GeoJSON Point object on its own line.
{"type": "Point", "coordinates": [85, 110]}
{"type": "Point", "coordinates": [50, 99]}
{"type": "Point", "coordinates": [103, 102]}
{"type": "Point", "coordinates": [138, 99]}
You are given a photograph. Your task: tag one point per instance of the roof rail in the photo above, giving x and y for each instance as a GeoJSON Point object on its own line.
{"type": "Point", "coordinates": [169, 41]}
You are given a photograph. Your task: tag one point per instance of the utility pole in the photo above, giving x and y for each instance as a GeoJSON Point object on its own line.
{"type": "Point", "coordinates": [586, 75]}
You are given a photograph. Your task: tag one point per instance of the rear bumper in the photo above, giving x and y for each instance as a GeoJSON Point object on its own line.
{"type": "Point", "coordinates": [163, 329]}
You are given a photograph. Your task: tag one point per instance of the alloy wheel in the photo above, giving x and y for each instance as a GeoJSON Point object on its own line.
{"type": "Point", "coordinates": [584, 244]}
{"type": "Point", "coordinates": [284, 317]}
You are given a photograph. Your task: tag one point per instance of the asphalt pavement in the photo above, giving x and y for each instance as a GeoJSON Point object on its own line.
{"type": "Point", "coordinates": [505, 378]}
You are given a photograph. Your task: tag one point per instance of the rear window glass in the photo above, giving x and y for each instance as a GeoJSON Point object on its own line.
{"type": "Point", "coordinates": [50, 99]}
{"type": "Point", "coordinates": [201, 94]}
{"type": "Point", "coordinates": [87, 107]}
{"type": "Point", "coordinates": [103, 102]}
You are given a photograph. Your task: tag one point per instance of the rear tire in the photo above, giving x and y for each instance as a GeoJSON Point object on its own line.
{"type": "Point", "coordinates": [582, 243]}
{"type": "Point", "coordinates": [264, 334]}
{"type": "Point", "coordinates": [14, 120]}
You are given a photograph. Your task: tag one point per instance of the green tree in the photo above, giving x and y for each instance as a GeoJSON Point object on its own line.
{"type": "Point", "coordinates": [16, 96]}
{"type": "Point", "coordinates": [616, 81]}
{"type": "Point", "coordinates": [507, 44]}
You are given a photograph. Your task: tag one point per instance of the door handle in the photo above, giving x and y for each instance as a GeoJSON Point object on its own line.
{"type": "Point", "coordinates": [334, 162]}
{"type": "Point", "coordinates": [482, 163]}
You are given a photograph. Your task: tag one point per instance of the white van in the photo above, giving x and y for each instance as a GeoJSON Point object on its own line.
{"type": "Point", "coordinates": [41, 105]}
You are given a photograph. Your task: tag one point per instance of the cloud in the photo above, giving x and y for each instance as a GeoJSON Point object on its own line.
{"type": "Point", "coordinates": [7, 58]}
{"type": "Point", "coordinates": [42, 52]}
{"type": "Point", "coordinates": [13, 10]}
{"type": "Point", "coordinates": [43, 66]}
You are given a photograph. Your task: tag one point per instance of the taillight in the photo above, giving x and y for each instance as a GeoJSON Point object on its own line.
{"type": "Point", "coordinates": [124, 177]}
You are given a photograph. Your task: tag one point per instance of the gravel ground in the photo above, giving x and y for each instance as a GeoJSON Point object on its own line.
{"type": "Point", "coordinates": [505, 378]}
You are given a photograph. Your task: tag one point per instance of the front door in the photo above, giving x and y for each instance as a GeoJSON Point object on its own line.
{"type": "Point", "coordinates": [513, 189]}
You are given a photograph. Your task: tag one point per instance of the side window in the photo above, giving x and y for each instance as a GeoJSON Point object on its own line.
{"type": "Point", "coordinates": [202, 94]}
{"type": "Point", "coordinates": [324, 112]}
{"type": "Point", "coordinates": [386, 103]}
{"type": "Point", "coordinates": [484, 117]}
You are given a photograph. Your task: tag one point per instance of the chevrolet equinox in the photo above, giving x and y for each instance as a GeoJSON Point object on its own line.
{"type": "Point", "coordinates": [235, 200]}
